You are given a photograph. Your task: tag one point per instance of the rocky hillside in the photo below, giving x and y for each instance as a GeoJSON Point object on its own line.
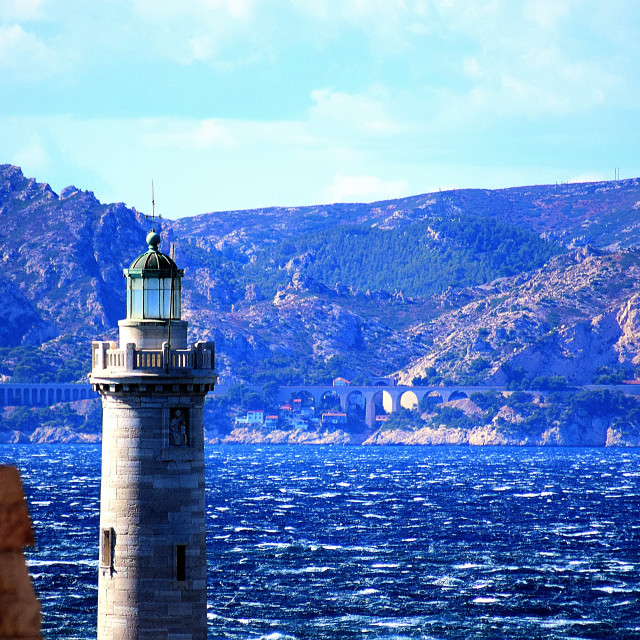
{"type": "Point", "coordinates": [281, 292]}
{"type": "Point", "coordinates": [576, 318]}
{"type": "Point", "coordinates": [61, 257]}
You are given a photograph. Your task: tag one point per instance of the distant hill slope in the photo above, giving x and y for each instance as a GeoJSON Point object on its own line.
{"type": "Point", "coordinates": [597, 213]}
{"type": "Point", "coordinates": [577, 318]}
{"type": "Point", "coordinates": [302, 293]}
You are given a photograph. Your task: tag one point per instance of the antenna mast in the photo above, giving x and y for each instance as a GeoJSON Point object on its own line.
{"type": "Point", "coordinates": [153, 208]}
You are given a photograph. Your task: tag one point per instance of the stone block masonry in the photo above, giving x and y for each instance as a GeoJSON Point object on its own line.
{"type": "Point", "coordinates": [151, 504]}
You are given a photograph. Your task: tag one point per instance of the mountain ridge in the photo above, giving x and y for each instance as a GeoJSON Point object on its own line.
{"type": "Point", "coordinates": [63, 256]}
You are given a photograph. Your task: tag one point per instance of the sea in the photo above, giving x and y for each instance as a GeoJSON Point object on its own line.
{"type": "Point", "coordinates": [373, 542]}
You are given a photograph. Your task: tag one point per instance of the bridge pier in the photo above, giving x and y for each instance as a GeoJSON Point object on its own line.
{"type": "Point", "coordinates": [395, 401]}
{"type": "Point", "coordinates": [370, 409]}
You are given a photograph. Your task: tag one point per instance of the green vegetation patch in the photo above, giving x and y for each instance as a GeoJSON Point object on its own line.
{"type": "Point", "coordinates": [419, 259]}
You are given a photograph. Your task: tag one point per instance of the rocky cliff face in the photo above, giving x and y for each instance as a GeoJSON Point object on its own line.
{"type": "Point", "coordinates": [571, 318]}
{"type": "Point", "coordinates": [62, 258]}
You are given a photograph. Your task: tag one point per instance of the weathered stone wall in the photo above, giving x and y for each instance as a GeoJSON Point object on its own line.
{"type": "Point", "coordinates": [153, 498]}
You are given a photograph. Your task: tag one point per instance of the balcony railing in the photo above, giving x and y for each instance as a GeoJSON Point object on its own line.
{"type": "Point", "coordinates": [107, 356]}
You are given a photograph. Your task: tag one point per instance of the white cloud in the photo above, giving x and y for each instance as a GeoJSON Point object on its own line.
{"type": "Point", "coordinates": [363, 189]}
{"type": "Point", "coordinates": [368, 113]}
{"type": "Point", "coordinates": [590, 177]}
{"type": "Point", "coordinates": [32, 157]}
{"type": "Point", "coordinates": [21, 10]}
{"type": "Point", "coordinates": [162, 10]}
{"type": "Point", "coordinates": [547, 13]}
{"type": "Point", "coordinates": [184, 134]}
{"type": "Point", "coordinates": [201, 30]}
{"type": "Point", "coordinates": [546, 57]}
{"type": "Point", "coordinates": [23, 52]}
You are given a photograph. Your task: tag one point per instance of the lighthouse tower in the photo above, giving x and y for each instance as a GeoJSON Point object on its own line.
{"type": "Point", "coordinates": [152, 580]}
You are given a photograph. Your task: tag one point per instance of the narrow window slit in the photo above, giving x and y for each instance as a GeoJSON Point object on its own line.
{"type": "Point", "coordinates": [181, 562]}
{"type": "Point", "coordinates": [107, 543]}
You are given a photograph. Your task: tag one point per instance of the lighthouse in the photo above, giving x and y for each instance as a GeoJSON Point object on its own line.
{"type": "Point", "coordinates": [152, 580]}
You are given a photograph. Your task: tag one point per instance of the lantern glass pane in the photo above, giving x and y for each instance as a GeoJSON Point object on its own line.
{"type": "Point", "coordinates": [136, 298]}
{"type": "Point", "coordinates": [152, 298]}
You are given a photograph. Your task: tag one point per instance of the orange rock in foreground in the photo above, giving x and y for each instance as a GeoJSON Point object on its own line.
{"type": "Point", "coordinates": [19, 606]}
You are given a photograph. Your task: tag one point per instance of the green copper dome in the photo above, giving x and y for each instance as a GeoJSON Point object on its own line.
{"type": "Point", "coordinates": [153, 260]}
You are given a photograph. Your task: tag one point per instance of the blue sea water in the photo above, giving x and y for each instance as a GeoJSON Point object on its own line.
{"type": "Point", "coordinates": [374, 542]}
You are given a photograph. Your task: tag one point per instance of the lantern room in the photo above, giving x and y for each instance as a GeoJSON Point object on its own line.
{"type": "Point", "coordinates": [153, 285]}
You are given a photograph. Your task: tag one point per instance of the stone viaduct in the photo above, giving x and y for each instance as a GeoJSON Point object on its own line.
{"type": "Point", "coordinates": [366, 398]}
{"type": "Point", "coordinates": [43, 395]}
{"type": "Point", "coordinates": [391, 397]}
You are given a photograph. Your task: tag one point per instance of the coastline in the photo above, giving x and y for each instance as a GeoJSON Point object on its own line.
{"type": "Point", "coordinates": [597, 433]}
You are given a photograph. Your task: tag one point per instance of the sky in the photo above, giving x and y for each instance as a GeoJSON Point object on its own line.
{"type": "Point", "coordinates": [238, 104]}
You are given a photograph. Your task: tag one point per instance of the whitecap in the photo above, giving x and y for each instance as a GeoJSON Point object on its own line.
{"type": "Point", "coordinates": [446, 581]}
{"type": "Point", "coordinates": [46, 563]}
{"type": "Point", "coordinates": [481, 584]}
{"type": "Point", "coordinates": [580, 534]}
{"type": "Point", "coordinates": [610, 589]}
{"type": "Point", "coordinates": [561, 622]}
{"type": "Point", "coordinates": [484, 600]}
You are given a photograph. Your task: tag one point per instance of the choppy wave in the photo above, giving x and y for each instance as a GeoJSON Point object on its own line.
{"type": "Point", "coordinates": [324, 543]}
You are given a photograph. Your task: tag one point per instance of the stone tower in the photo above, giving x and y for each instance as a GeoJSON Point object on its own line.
{"type": "Point", "coordinates": [152, 580]}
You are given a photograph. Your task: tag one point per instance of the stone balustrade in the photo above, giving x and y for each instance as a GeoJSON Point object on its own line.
{"type": "Point", "coordinates": [107, 357]}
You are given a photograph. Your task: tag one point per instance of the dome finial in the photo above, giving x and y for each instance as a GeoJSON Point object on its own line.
{"type": "Point", "coordinates": [153, 240]}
